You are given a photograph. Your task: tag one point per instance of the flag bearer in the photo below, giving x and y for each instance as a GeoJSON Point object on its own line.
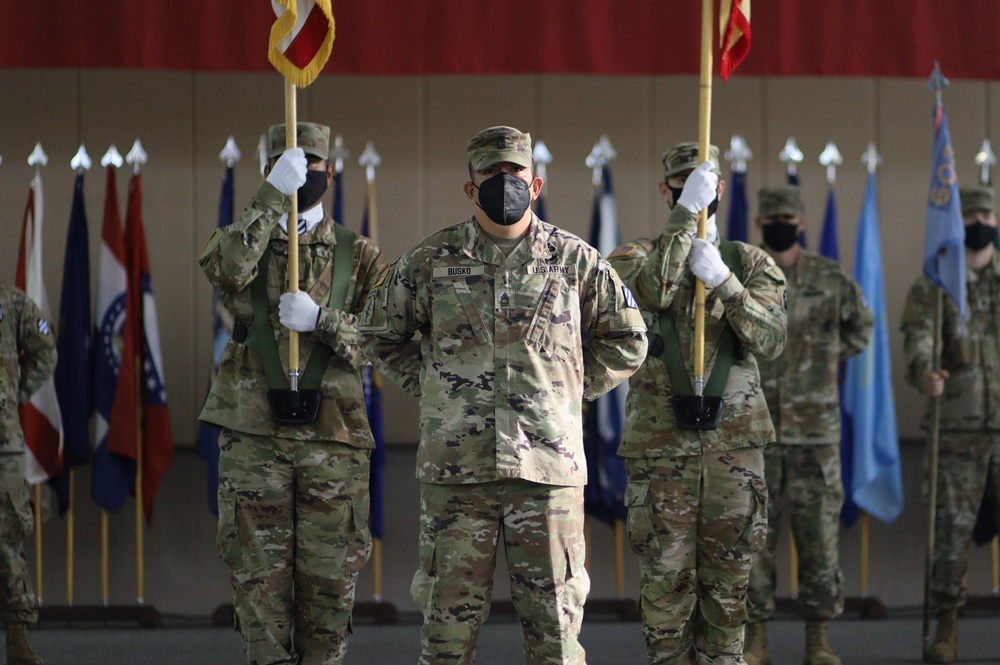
{"type": "Point", "coordinates": [968, 383]}
{"type": "Point", "coordinates": [828, 321]}
{"type": "Point", "coordinates": [520, 322]}
{"type": "Point", "coordinates": [27, 359]}
{"type": "Point", "coordinates": [696, 496]}
{"type": "Point", "coordinates": [293, 467]}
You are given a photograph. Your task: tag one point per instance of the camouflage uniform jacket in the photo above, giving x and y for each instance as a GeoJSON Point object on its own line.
{"type": "Point", "coordinates": [29, 358]}
{"type": "Point", "coordinates": [238, 399]}
{"type": "Point", "coordinates": [508, 350]}
{"type": "Point", "coordinates": [828, 321]}
{"type": "Point", "coordinates": [657, 272]}
{"type": "Point", "coordinates": [971, 399]}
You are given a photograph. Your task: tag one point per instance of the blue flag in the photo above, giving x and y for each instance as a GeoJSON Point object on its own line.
{"type": "Point", "coordinates": [876, 480]}
{"type": "Point", "coordinates": [738, 208]}
{"type": "Point", "coordinates": [372, 386]}
{"type": "Point", "coordinates": [944, 242]}
{"type": "Point", "coordinates": [604, 418]}
{"type": "Point", "coordinates": [208, 435]}
{"type": "Point", "coordinates": [74, 369]}
{"type": "Point", "coordinates": [540, 207]}
{"type": "Point", "coordinates": [337, 211]}
{"type": "Point", "coordinates": [828, 245]}
{"type": "Point", "coordinates": [793, 180]}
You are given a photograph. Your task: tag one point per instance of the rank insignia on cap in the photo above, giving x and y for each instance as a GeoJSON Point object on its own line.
{"type": "Point", "coordinates": [43, 326]}
{"type": "Point", "coordinates": [622, 250]}
{"type": "Point", "coordinates": [629, 298]}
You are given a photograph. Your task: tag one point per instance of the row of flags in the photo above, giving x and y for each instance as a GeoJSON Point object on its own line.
{"type": "Point", "coordinates": [111, 365]}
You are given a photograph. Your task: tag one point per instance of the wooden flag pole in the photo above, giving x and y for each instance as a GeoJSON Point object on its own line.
{"type": "Point", "coordinates": [865, 526]}
{"type": "Point", "coordinates": [140, 573]}
{"type": "Point", "coordinates": [793, 566]}
{"type": "Point", "coordinates": [105, 595]}
{"type": "Point", "coordinates": [704, 134]}
{"type": "Point", "coordinates": [933, 441]}
{"type": "Point", "coordinates": [619, 558]}
{"type": "Point", "coordinates": [373, 236]}
{"type": "Point", "coordinates": [995, 564]}
{"type": "Point", "coordinates": [291, 127]}
{"type": "Point", "coordinates": [69, 541]}
{"type": "Point", "coordinates": [38, 544]}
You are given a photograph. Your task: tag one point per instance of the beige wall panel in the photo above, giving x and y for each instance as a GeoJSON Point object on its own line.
{"type": "Point", "coordinates": [573, 113]}
{"type": "Point", "coordinates": [675, 120]}
{"type": "Point", "coordinates": [39, 106]}
{"type": "Point", "coordinates": [737, 109]}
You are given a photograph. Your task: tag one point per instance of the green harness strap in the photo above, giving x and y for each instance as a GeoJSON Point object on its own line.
{"type": "Point", "coordinates": [671, 354]}
{"type": "Point", "coordinates": [260, 337]}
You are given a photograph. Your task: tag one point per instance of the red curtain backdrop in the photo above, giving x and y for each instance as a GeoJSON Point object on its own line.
{"type": "Point", "coordinates": [419, 37]}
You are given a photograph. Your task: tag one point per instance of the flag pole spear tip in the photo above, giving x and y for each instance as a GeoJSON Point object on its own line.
{"type": "Point", "coordinates": [136, 156]}
{"type": "Point", "coordinates": [739, 154]}
{"type": "Point", "coordinates": [791, 155]}
{"type": "Point", "coordinates": [38, 157]}
{"type": "Point", "coordinates": [81, 160]}
{"type": "Point", "coordinates": [937, 83]}
{"type": "Point", "coordinates": [542, 158]}
{"type": "Point", "coordinates": [831, 159]}
{"type": "Point", "coordinates": [607, 150]}
{"type": "Point", "coordinates": [112, 157]}
{"type": "Point", "coordinates": [230, 153]}
{"type": "Point", "coordinates": [262, 153]}
{"type": "Point", "coordinates": [370, 159]}
{"type": "Point", "coordinates": [595, 161]}
{"type": "Point", "coordinates": [339, 153]}
{"type": "Point", "coordinates": [985, 159]}
{"type": "Point", "coordinates": [871, 158]}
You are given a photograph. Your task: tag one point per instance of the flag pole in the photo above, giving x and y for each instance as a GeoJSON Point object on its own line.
{"type": "Point", "coordinates": [937, 83]}
{"type": "Point", "coordinates": [105, 597]}
{"type": "Point", "coordinates": [291, 127]}
{"type": "Point", "coordinates": [38, 544]}
{"type": "Point", "coordinates": [704, 133]}
{"type": "Point", "coordinates": [865, 533]}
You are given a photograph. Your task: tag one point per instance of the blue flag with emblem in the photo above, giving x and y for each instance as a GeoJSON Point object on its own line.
{"type": "Point", "coordinates": [222, 329]}
{"type": "Point", "coordinates": [738, 208]}
{"type": "Point", "coordinates": [74, 369]}
{"type": "Point", "coordinates": [944, 240]}
{"type": "Point", "coordinates": [876, 480]}
{"type": "Point", "coordinates": [604, 418]}
{"type": "Point", "coordinates": [828, 245]}
{"type": "Point", "coordinates": [372, 386]}
{"type": "Point", "coordinates": [337, 210]}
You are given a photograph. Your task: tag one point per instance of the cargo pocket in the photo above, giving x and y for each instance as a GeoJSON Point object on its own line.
{"type": "Point", "coordinates": [642, 535]}
{"type": "Point", "coordinates": [228, 535]}
{"type": "Point", "coordinates": [422, 586]}
{"type": "Point", "coordinates": [754, 531]}
{"type": "Point", "coordinates": [359, 540]}
{"type": "Point", "coordinates": [577, 579]}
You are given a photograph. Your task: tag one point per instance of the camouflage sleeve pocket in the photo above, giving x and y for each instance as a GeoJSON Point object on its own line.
{"type": "Point", "coordinates": [642, 535]}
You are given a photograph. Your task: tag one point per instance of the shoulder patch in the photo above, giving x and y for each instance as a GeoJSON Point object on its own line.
{"type": "Point", "coordinates": [43, 326]}
{"type": "Point", "coordinates": [622, 250]}
{"type": "Point", "coordinates": [629, 298]}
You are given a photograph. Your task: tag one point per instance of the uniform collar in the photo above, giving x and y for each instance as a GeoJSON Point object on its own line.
{"type": "Point", "coordinates": [479, 246]}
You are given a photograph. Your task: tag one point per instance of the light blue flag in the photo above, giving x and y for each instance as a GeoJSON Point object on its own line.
{"type": "Point", "coordinates": [877, 486]}
{"type": "Point", "coordinates": [944, 242]}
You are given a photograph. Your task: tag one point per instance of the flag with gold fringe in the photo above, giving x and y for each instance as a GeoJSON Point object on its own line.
{"type": "Point", "coordinates": [301, 39]}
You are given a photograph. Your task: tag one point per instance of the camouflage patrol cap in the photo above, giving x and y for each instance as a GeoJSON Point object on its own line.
{"type": "Point", "coordinates": [780, 201]}
{"type": "Point", "coordinates": [684, 156]}
{"type": "Point", "coordinates": [312, 138]}
{"type": "Point", "coordinates": [499, 144]}
{"type": "Point", "coordinates": [979, 197]}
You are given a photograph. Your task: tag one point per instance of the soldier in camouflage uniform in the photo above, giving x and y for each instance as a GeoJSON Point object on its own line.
{"type": "Point", "coordinates": [503, 303]}
{"type": "Point", "coordinates": [697, 499]}
{"type": "Point", "coordinates": [27, 361]}
{"type": "Point", "coordinates": [293, 499]}
{"type": "Point", "coordinates": [828, 321]}
{"type": "Point", "coordinates": [968, 383]}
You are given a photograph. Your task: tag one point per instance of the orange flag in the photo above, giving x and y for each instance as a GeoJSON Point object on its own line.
{"type": "Point", "coordinates": [734, 34]}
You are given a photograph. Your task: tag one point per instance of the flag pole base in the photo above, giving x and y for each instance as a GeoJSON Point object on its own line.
{"type": "Point", "coordinates": [146, 616]}
{"type": "Point", "coordinates": [863, 607]}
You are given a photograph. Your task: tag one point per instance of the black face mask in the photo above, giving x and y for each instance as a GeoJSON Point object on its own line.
{"type": "Point", "coordinates": [676, 192]}
{"type": "Point", "coordinates": [779, 236]}
{"type": "Point", "coordinates": [313, 189]}
{"type": "Point", "coordinates": [504, 198]}
{"type": "Point", "coordinates": [979, 235]}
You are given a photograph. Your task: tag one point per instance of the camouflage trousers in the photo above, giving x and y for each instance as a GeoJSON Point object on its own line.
{"type": "Point", "coordinates": [968, 467]}
{"type": "Point", "coordinates": [809, 475]}
{"type": "Point", "coordinates": [696, 523]}
{"type": "Point", "coordinates": [460, 528]}
{"type": "Point", "coordinates": [293, 530]}
{"type": "Point", "coordinates": [17, 600]}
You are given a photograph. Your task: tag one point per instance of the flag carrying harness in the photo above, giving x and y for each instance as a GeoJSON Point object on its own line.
{"type": "Point", "coordinates": [708, 413]}
{"type": "Point", "coordinates": [289, 407]}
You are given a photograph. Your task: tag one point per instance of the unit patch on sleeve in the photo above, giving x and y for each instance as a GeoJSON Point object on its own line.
{"type": "Point", "coordinates": [629, 298]}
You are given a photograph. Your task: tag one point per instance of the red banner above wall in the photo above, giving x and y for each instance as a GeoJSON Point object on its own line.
{"type": "Point", "coordinates": [423, 37]}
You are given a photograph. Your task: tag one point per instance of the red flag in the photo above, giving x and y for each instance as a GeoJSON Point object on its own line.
{"type": "Point", "coordinates": [301, 39]}
{"type": "Point", "coordinates": [40, 418]}
{"type": "Point", "coordinates": [734, 34]}
{"type": "Point", "coordinates": [141, 397]}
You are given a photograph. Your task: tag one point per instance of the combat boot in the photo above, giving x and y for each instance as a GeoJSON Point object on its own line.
{"type": "Point", "coordinates": [944, 648]}
{"type": "Point", "coordinates": [755, 644]}
{"type": "Point", "coordinates": [18, 650]}
{"type": "Point", "coordinates": [818, 650]}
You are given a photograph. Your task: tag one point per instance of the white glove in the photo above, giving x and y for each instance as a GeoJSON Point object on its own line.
{"type": "Point", "coordinates": [298, 312]}
{"type": "Point", "coordinates": [706, 263]}
{"type": "Point", "coordinates": [289, 172]}
{"type": "Point", "coordinates": [701, 188]}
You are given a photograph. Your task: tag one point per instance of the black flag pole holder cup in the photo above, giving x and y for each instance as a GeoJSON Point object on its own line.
{"type": "Point", "coordinates": [294, 407]}
{"type": "Point", "coordinates": [697, 412]}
